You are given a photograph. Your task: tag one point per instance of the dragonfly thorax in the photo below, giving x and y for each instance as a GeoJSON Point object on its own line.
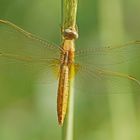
{"type": "Point", "coordinates": [66, 58]}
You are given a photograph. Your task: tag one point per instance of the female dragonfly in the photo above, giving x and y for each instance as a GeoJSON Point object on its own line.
{"type": "Point", "coordinates": [17, 44]}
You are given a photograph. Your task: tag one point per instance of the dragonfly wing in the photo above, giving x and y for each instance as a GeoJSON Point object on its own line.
{"type": "Point", "coordinates": [20, 46]}
{"type": "Point", "coordinates": [109, 56]}
{"type": "Point", "coordinates": [98, 79]}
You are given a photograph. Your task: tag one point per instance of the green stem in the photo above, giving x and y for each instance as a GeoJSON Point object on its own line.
{"type": "Point", "coordinates": [69, 12]}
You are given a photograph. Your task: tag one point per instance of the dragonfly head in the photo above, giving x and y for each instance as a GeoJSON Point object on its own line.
{"type": "Point", "coordinates": [70, 34]}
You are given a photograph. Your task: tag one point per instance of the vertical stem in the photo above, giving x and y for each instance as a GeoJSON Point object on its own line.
{"type": "Point", "coordinates": [69, 12]}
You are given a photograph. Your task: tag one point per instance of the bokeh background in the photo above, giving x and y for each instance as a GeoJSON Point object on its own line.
{"type": "Point", "coordinates": [28, 106]}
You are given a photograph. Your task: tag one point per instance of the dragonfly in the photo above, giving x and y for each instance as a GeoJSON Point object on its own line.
{"type": "Point", "coordinates": [67, 63]}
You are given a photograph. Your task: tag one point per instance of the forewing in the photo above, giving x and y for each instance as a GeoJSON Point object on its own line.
{"type": "Point", "coordinates": [109, 55]}
{"type": "Point", "coordinates": [20, 47]}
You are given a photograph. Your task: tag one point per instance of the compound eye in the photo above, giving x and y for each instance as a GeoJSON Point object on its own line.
{"type": "Point", "coordinates": [70, 34]}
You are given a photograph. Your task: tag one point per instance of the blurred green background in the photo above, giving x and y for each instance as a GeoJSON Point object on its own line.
{"type": "Point", "coordinates": [28, 107]}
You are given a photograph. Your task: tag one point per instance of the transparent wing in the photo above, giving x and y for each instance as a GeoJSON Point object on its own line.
{"type": "Point", "coordinates": [93, 80]}
{"type": "Point", "coordinates": [19, 46]}
{"type": "Point", "coordinates": [110, 55]}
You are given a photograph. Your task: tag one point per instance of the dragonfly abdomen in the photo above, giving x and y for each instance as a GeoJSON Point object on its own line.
{"type": "Point", "coordinates": [62, 97]}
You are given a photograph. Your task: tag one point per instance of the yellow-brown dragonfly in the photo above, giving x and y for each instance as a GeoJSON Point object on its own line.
{"type": "Point", "coordinates": [17, 44]}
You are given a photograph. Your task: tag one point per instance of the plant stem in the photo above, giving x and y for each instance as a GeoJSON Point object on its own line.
{"type": "Point", "coordinates": [69, 12]}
